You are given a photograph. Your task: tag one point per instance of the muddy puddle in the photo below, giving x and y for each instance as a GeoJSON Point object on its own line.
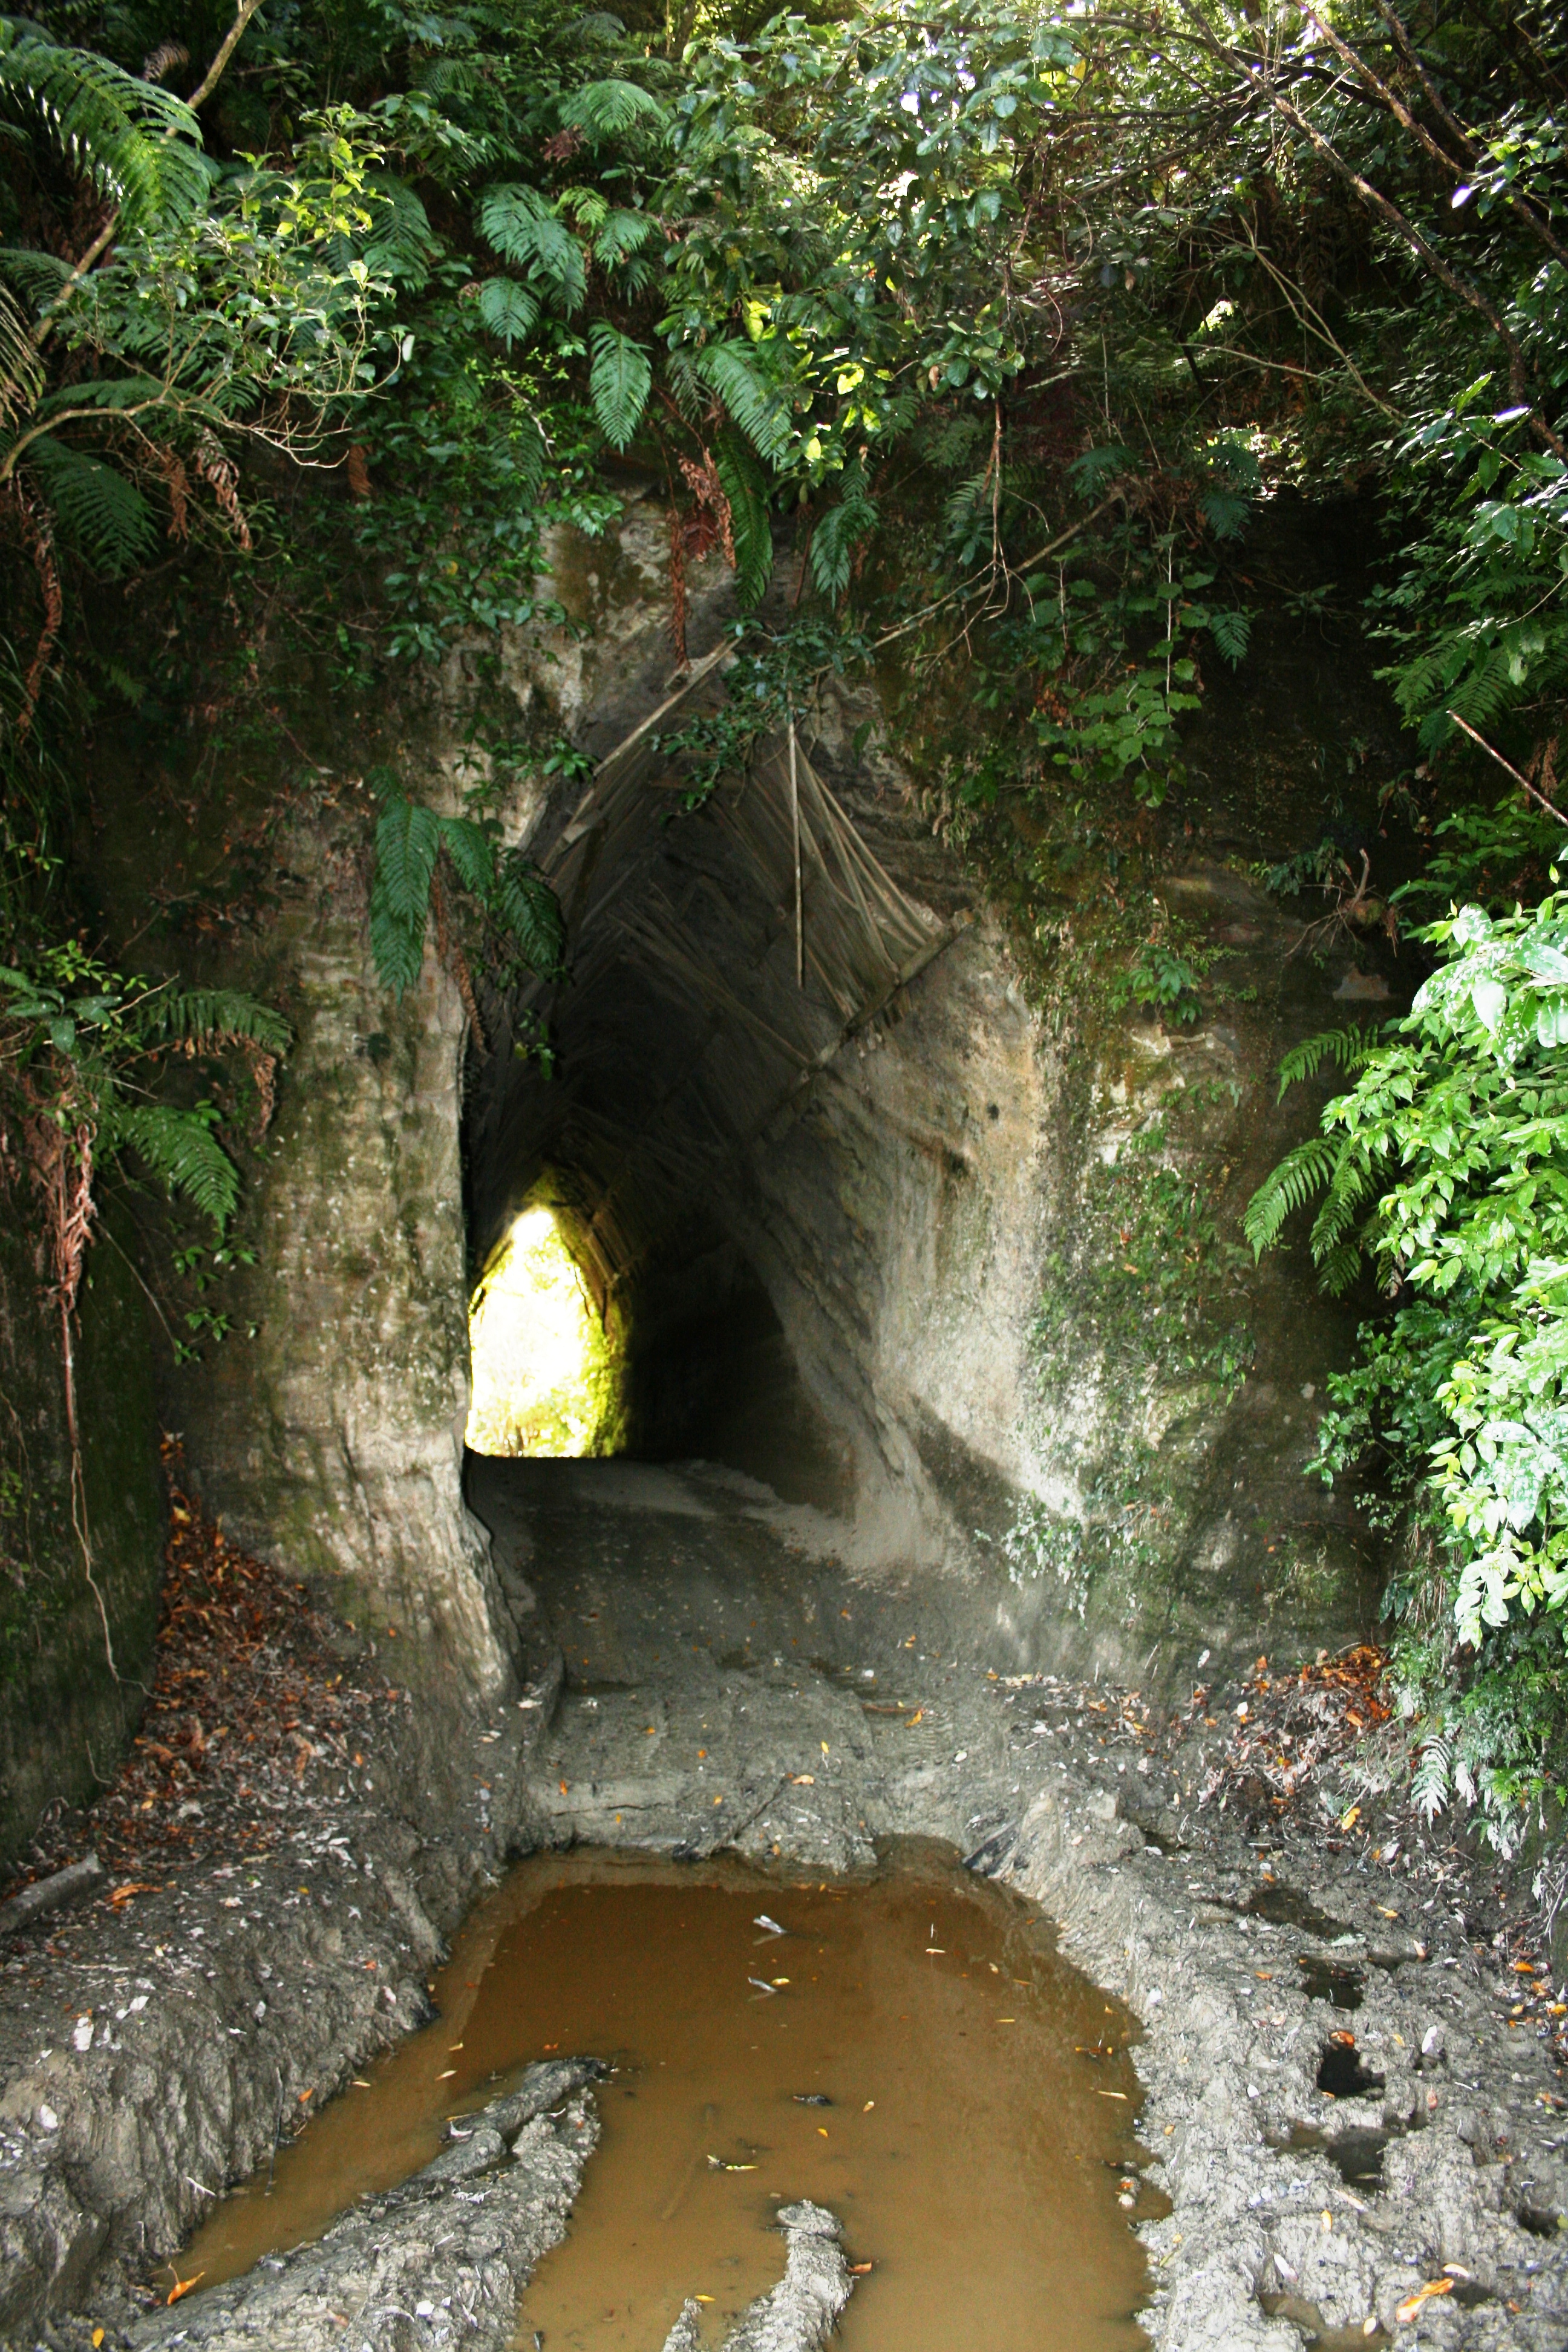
{"type": "Point", "coordinates": [910, 2051]}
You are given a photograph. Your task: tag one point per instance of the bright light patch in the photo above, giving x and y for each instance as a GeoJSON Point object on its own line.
{"type": "Point", "coordinates": [543, 1369]}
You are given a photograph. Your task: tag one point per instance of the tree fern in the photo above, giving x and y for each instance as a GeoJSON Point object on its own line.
{"type": "Point", "coordinates": [179, 1147]}
{"type": "Point", "coordinates": [96, 507]}
{"type": "Point", "coordinates": [137, 145]}
{"type": "Point", "coordinates": [620, 381]}
{"type": "Point", "coordinates": [1288, 1187]}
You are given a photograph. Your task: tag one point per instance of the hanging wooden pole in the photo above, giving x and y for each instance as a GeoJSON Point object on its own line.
{"type": "Point", "coordinates": [794, 830]}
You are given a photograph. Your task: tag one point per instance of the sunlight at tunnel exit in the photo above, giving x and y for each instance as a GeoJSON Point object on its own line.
{"type": "Point", "coordinates": [543, 1368]}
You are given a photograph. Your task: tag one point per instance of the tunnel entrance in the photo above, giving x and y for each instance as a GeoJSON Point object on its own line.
{"type": "Point", "coordinates": [726, 967]}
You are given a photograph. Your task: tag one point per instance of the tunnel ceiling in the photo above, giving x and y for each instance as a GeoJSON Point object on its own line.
{"type": "Point", "coordinates": [709, 977]}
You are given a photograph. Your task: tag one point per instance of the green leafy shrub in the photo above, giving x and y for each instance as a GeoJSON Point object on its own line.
{"type": "Point", "coordinates": [1445, 1171]}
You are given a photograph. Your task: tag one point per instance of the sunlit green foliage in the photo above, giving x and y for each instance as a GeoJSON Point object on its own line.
{"type": "Point", "coordinates": [1446, 1168]}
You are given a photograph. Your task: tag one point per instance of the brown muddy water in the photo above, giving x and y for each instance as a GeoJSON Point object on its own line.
{"type": "Point", "coordinates": [912, 2051]}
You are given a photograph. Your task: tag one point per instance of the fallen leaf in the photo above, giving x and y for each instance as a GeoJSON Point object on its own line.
{"type": "Point", "coordinates": [1413, 2303]}
{"type": "Point", "coordinates": [860, 2270]}
{"type": "Point", "coordinates": [1110, 2095]}
{"type": "Point", "coordinates": [182, 2286]}
{"type": "Point", "coordinates": [1347, 1820]}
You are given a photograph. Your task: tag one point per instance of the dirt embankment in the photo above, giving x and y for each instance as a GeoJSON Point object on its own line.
{"type": "Point", "coordinates": [282, 1853]}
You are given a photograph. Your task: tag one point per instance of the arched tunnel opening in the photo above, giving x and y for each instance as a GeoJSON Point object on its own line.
{"type": "Point", "coordinates": [665, 1102]}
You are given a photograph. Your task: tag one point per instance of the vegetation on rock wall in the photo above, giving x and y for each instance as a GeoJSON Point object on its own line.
{"type": "Point", "coordinates": [1013, 321]}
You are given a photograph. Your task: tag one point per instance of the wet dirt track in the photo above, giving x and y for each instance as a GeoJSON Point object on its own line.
{"type": "Point", "coordinates": [699, 1609]}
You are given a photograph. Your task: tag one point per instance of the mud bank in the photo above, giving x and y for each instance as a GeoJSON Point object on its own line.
{"type": "Point", "coordinates": [799, 1715]}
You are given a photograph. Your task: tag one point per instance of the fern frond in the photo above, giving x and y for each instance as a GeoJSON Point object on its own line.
{"type": "Point", "coordinates": [179, 1147]}
{"type": "Point", "coordinates": [509, 311]}
{"type": "Point", "coordinates": [746, 487]}
{"type": "Point", "coordinates": [1298, 1175]}
{"type": "Point", "coordinates": [401, 243]}
{"type": "Point", "coordinates": [109, 391]}
{"type": "Point", "coordinates": [1232, 633]}
{"type": "Point", "coordinates": [406, 839]}
{"type": "Point", "coordinates": [527, 906]}
{"type": "Point", "coordinates": [1348, 1189]}
{"type": "Point", "coordinates": [1430, 1786]}
{"type": "Point", "coordinates": [469, 848]}
{"type": "Point", "coordinates": [21, 372]}
{"type": "Point", "coordinates": [396, 947]}
{"type": "Point", "coordinates": [135, 143]}
{"type": "Point", "coordinates": [756, 407]}
{"type": "Point", "coordinates": [521, 225]}
{"type": "Point", "coordinates": [840, 533]}
{"type": "Point", "coordinates": [1351, 1048]}
{"type": "Point", "coordinates": [605, 108]}
{"type": "Point", "coordinates": [96, 507]}
{"type": "Point", "coordinates": [40, 274]}
{"type": "Point", "coordinates": [620, 380]}
{"type": "Point", "coordinates": [1338, 1268]}
{"type": "Point", "coordinates": [623, 234]}
{"type": "Point", "coordinates": [210, 1017]}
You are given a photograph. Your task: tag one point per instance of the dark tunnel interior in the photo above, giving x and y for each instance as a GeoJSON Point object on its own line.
{"type": "Point", "coordinates": [717, 959]}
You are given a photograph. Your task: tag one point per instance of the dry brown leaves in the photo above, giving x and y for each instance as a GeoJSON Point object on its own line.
{"type": "Point", "coordinates": [1289, 1726]}
{"type": "Point", "coordinates": [248, 1696]}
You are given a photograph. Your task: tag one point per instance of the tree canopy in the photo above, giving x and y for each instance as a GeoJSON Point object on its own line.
{"type": "Point", "coordinates": [1010, 319]}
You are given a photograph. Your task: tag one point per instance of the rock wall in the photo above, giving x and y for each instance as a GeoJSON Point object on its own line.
{"type": "Point", "coordinates": [995, 1225]}
{"type": "Point", "coordinates": [327, 1430]}
{"type": "Point", "coordinates": [65, 1712]}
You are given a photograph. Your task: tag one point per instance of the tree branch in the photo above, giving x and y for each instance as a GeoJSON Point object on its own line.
{"type": "Point", "coordinates": [1388, 212]}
